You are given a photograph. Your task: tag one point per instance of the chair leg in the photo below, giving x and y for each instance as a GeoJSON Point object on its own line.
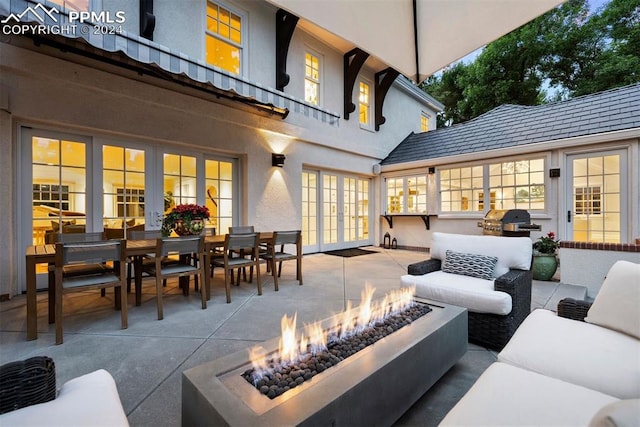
{"type": "Point", "coordinates": [227, 285]}
{"type": "Point", "coordinates": [117, 301]}
{"type": "Point", "coordinates": [258, 276]}
{"type": "Point", "coordinates": [203, 292]}
{"type": "Point", "coordinates": [299, 270]}
{"type": "Point", "coordinates": [52, 297]}
{"type": "Point", "coordinates": [159, 297]}
{"type": "Point", "coordinates": [273, 273]}
{"type": "Point", "coordinates": [58, 317]}
{"type": "Point", "coordinates": [123, 306]}
{"type": "Point", "coordinates": [279, 268]}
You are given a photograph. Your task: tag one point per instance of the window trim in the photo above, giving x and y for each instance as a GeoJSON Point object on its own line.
{"type": "Point", "coordinates": [320, 58]}
{"type": "Point", "coordinates": [537, 213]}
{"type": "Point", "coordinates": [243, 46]}
{"type": "Point", "coordinates": [369, 124]}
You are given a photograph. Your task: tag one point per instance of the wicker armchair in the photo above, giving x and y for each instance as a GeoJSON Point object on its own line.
{"type": "Point", "coordinates": [27, 382]}
{"type": "Point", "coordinates": [492, 330]}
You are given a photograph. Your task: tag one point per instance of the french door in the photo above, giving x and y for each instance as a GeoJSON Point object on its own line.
{"type": "Point", "coordinates": [335, 211]}
{"type": "Point", "coordinates": [597, 203]}
{"type": "Point", "coordinates": [71, 184]}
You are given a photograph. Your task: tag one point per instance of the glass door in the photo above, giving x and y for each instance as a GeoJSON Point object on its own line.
{"type": "Point", "coordinates": [597, 210]}
{"type": "Point", "coordinates": [335, 211]}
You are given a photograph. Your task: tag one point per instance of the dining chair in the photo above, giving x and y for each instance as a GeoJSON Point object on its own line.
{"type": "Point", "coordinates": [276, 253]}
{"type": "Point", "coordinates": [182, 247]}
{"type": "Point", "coordinates": [245, 229]}
{"type": "Point", "coordinates": [75, 254]}
{"type": "Point", "coordinates": [234, 244]}
{"type": "Point", "coordinates": [75, 270]}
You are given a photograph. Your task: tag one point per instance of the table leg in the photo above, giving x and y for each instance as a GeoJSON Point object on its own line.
{"type": "Point", "coordinates": [32, 303]}
{"type": "Point", "coordinates": [206, 272]}
{"type": "Point", "coordinates": [137, 269]}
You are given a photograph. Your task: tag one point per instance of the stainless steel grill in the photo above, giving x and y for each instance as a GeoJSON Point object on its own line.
{"type": "Point", "coordinates": [508, 222]}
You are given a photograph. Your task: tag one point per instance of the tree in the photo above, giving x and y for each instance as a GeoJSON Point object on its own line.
{"type": "Point", "coordinates": [568, 50]}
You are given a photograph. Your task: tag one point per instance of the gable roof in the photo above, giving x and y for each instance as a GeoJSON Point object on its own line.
{"type": "Point", "coordinates": [515, 125]}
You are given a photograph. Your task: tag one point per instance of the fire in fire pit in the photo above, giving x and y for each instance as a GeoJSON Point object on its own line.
{"type": "Point", "coordinates": [300, 359]}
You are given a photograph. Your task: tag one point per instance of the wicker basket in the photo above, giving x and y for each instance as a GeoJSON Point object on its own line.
{"type": "Point", "coordinates": [26, 383]}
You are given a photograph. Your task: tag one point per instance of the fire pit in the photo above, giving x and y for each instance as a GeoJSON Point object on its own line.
{"type": "Point", "coordinates": [374, 386]}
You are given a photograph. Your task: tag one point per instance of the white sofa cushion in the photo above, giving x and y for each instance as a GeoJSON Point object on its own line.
{"type": "Point", "coordinates": [577, 352]}
{"type": "Point", "coordinates": [508, 396]}
{"type": "Point", "coordinates": [477, 295]}
{"type": "Point", "coordinates": [617, 305]}
{"type": "Point", "coordinates": [89, 400]}
{"type": "Point", "coordinates": [512, 252]}
{"type": "Point", "coordinates": [474, 265]}
{"type": "Point", "coordinates": [624, 413]}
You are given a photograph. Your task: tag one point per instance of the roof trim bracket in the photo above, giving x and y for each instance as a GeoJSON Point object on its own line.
{"type": "Point", "coordinates": [147, 19]}
{"type": "Point", "coordinates": [285, 26]}
{"type": "Point", "coordinates": [383, 81]}
{"type": "Point", "coordinates": [353, 62]}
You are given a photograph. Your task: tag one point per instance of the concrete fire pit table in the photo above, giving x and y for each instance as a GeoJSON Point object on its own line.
{"type": "Point", "coordinates": [372, 387]}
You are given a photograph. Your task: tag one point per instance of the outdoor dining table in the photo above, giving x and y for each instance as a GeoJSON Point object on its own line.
{"type": "Point", "coordinates": [46, 254]}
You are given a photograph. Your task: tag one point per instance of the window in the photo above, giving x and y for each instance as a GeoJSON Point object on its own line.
{"type": "Point", "coordinates": [223, 38]}
{"type": "Point", "coordinates": [309, 208]}
{"type": "Point", "coordinates": [219, 194]}
{"type": "Point", "coordinates": [461, 189]}
{"type": "Point", "coordinates": [588, 200]}
{"type": "Point", "coordinates": [518, 184]}
{"type": "Point", "coordinates": [424, 122]}
{"type": "Point", "coordinates": [407, 195]}
{"type": "Point", "coordinates": [179, 180]}
{"type": "Point", "coordinates": [78, 5]}
{"type": "Point", "coordinates": [311, 79]}
{"type": "Point", "coordinates": [123, 182]}
{"type": "Point", "coordinates": [364, 100]}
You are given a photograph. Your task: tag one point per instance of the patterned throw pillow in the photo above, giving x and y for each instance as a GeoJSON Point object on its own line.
{"type": "Point", "coordinates": [474, 265]}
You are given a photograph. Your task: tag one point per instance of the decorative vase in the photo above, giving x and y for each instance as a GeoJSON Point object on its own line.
{"type": "Point", "coordinates": [544, 266]}
{"type": "Point", "coordinates": [189, 228]}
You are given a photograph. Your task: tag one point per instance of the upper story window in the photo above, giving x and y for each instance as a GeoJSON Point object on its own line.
{"type": "Point", "coordinates": [364, 100]}
{"type": "Point", "coordinates": [223, 38]}
{"type": "Point", "coordinates": [79, 5]}
{"type": "Point", "coordinates": [311, 79]}
{"type": "Point", "coordinates": [407, 195]}
{"type": "Point", "coordinates": [424, 122]}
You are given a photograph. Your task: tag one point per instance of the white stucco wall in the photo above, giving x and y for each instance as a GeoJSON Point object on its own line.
{"type": "Point", "coordinates": [589, 267]}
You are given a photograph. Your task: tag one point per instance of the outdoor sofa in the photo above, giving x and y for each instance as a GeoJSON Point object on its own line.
{"type": "Point", "coordinates": [489, 275]}
{"type": "Point", "coordinates": [28, 397]}
{"type": "Point", "coordinates": [580, 367]}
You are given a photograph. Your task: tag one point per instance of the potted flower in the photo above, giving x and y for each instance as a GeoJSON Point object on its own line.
{"type": "Point", "coordinates": [185, 219]}
{"type": "Point", "coordinates": [545, 262]}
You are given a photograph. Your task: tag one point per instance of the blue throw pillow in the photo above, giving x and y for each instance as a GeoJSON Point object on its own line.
{"type": "Point", "coordinates": [474, 265]}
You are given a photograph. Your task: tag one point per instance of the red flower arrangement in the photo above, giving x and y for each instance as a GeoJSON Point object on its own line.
{"type": "Point", "coordinates": [184, 216]}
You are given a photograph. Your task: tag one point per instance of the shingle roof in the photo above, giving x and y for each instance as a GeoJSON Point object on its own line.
{"type": "Point", "coordinates": [515, 125]}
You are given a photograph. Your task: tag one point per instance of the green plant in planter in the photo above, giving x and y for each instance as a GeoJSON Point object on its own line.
{"type": "Point", "coordinates": [545, 263]}
{"type": "Point", "coordinates": [547, 244]}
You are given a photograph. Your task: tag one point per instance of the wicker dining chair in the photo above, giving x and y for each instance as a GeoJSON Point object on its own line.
{"type": "Point", "coordinates": [75, 255]}
{"type": "Point", "coordinates": [184, 248]}
{"type": "Point", "coordinates": [234, 245]}
{"type": "Point", "coordinates": [276, 253]}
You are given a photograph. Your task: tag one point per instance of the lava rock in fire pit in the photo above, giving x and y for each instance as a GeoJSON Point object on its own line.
{"type": "Point", "coordinates": [283, 378]}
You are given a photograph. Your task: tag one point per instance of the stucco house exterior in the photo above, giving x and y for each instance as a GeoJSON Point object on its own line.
{"type": "Point", "coordinates": [144, 106]}
{"type": "Point", "coordinates": [574, 165]}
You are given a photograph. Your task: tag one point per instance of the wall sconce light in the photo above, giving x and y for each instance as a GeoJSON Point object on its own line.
{"type": "Point", "coordinates": [554, 173]}
{"type": "Point", "coordinates": [432, 170]}
{"type": "Point", "coordinates": [277, 160]}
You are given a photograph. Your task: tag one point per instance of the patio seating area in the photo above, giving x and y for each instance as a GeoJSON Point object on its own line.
{"type": "Point", "coordinates": [147, 359]}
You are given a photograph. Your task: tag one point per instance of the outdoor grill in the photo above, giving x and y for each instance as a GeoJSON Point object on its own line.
{"type": "Point", "coordinates": [508, 222]}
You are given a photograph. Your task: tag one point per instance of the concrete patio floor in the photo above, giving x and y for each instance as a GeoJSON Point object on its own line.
{"type": "Point", "coordinates": [148, 358]}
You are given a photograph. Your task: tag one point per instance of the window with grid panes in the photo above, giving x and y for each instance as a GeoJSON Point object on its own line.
{"type": "Point", "coordinates": [518, 184]}
{"type": "Point", "coordinates": [364, 104]}
{"type": "Point", "coordinates": [223, 38]}
{"type": "Point", "coordinates": [311, 79]}
{"type": "Point", "coordinates": [461, 189]}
